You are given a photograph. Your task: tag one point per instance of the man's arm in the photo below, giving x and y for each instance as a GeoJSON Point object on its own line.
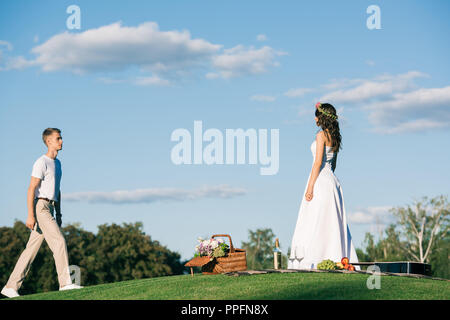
{"type": "Point", "coordinates": [34, 183]}
{"type": "Point", "coordinates": [58, 210]}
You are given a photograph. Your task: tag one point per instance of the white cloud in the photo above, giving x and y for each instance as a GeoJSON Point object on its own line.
{"type": "Point", "coordinates": [17, 63]}
{"type": "Point", "coordinates": [413, 126]}
{"type": "Point", "coordinates": [421, 98]}
{"type": "Point", "coordinates": [167, 55]}
{"type": "Point", "coordinates": [418, 110]}
{"type": "Point", "coordinates": [153, 80]}
{"type": "Point", "coordinates": [8, 48]}
{"type": "Point", "coordinates": [155, 194]}
{"type": "Point", "coordinates": [239, 61]}
{"type": "Point", "coordinates": [341, 83]}
{"type": "Point", "coordinates": [140, 81]}
{"type": "Point", "coordinates": [380, 87]}
{"type": "Point", "coordinates": [395, 104]}
{"type": "Point", "coordinates": [115, 47]}
{"type": "Point", "coordinates": [360, 217]}
{"type": "Point", "coordinates": [109, 80]}
{"type": "Point", "coordinates": [212, 75]}
{"type": "Point", "coordinates": [6, 44]}
{"type": "Point", "coordinates": [370, 215]}
{"type": "Point", "coordinates": [298, 92]}
{"type": "Point", "coordinates": [262, 98]}
{"type": "Point", "coordinates": [261, 37]}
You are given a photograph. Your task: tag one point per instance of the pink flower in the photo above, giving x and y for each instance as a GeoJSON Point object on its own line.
{"type": "Point", "coordinates": [318, 104]}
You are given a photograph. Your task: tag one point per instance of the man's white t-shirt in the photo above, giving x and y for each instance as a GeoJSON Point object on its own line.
{"type": "Point", "coordinates": [49, 171]}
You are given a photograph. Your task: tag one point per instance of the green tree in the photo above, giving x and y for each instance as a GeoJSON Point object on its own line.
{"type": "Point", "coordinates": [386, 249]}
{"type": "Point", "coordinates": [12, 243]}
{"type": "Point", "coordinates": [420, 233]}
{"type": "Point", "coordinates": [439, 259]}
{"type": "Point", "coordinates": [125, 252]}
{"type": "Point", "coordinates": [116, 253]}
{"type": "Point", "coordinates": [259, 249]}
{"type": "Point", "coordinates": [422, 226]}
{"type": "Point", "coordinates": [81, 245]}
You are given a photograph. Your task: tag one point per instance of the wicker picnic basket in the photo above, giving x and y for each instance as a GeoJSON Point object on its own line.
{"type": "Point", "coordinates": [235, 260]}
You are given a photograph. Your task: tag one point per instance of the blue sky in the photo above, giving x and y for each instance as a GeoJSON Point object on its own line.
{"type": "Point", "coordinates": [136, 71]}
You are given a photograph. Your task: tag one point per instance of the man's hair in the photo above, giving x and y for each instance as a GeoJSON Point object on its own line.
{"type": "Point", "coordinates": [49, 131]}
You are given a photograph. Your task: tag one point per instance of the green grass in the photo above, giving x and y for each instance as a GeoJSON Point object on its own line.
{"type": "Point", "coordinates": [262, 286]}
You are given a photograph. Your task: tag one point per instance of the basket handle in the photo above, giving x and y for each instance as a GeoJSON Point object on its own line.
{"type": "Point", "coordinates": [225, 235]}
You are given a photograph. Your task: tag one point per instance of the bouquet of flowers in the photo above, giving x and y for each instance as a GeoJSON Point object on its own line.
{"type": "Point", "coordinates": [212, 248]}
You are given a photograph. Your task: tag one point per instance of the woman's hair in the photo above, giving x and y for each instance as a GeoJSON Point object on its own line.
{"type": "Point", "coordinates": [330, 124]}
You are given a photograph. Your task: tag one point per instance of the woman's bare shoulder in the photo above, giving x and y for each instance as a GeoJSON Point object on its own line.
{"type": "Point", "coordinates": [320, 133]}
{"type": "Point", "coordinates": [322, 136]}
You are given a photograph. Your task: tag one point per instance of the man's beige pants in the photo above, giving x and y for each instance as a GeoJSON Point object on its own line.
{"type": "Point", "coordinates": [45, 228]}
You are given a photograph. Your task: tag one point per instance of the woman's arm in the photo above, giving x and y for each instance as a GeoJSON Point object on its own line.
{"type": "Point", "coordinates": [320, 145]}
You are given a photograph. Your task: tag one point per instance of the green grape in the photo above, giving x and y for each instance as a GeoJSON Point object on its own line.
{"type": "Point", "coordinates": [326, 265]}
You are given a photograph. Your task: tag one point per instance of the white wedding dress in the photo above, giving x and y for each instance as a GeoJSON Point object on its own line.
{"type": "Point", "coordinates": [321, 231]}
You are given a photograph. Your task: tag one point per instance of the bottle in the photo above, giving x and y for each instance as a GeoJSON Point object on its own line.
{"type": "Point", "coordinates": [276, 255]}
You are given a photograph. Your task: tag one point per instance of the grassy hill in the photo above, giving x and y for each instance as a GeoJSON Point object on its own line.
{"type": "Point", "coordinates": [284, 286]}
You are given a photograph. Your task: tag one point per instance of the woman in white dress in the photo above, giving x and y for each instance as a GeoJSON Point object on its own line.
{"type": "Point", "coordinates": [321, 231]}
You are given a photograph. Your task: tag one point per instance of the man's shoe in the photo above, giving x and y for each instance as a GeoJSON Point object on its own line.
{"type": "Point", "coordinates": [10, 292]}
{"type": "Point", "coordinates": [70, 287]}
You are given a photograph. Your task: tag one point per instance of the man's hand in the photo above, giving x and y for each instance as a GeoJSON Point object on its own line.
{"type": "Point", "coordinates": [59, 220]}
{"type": "Point", "coordinates": [58, 210]}
{"type": "Point", "coordinates": [30, 222]}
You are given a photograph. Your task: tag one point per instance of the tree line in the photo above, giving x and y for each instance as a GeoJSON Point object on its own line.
{"type": "Point", "coordinates": [115, 253]}
{"type": "Point", "coordinates": [125, 252]}
{"type": "Point", "coordinates": [419, 233]}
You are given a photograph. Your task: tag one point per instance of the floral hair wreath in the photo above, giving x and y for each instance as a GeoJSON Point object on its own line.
{"type": "Point", "coordinates": [318, 107]}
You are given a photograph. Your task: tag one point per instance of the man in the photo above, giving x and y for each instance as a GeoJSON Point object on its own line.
{"type": "Point", "coordinates": [44, 197]}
